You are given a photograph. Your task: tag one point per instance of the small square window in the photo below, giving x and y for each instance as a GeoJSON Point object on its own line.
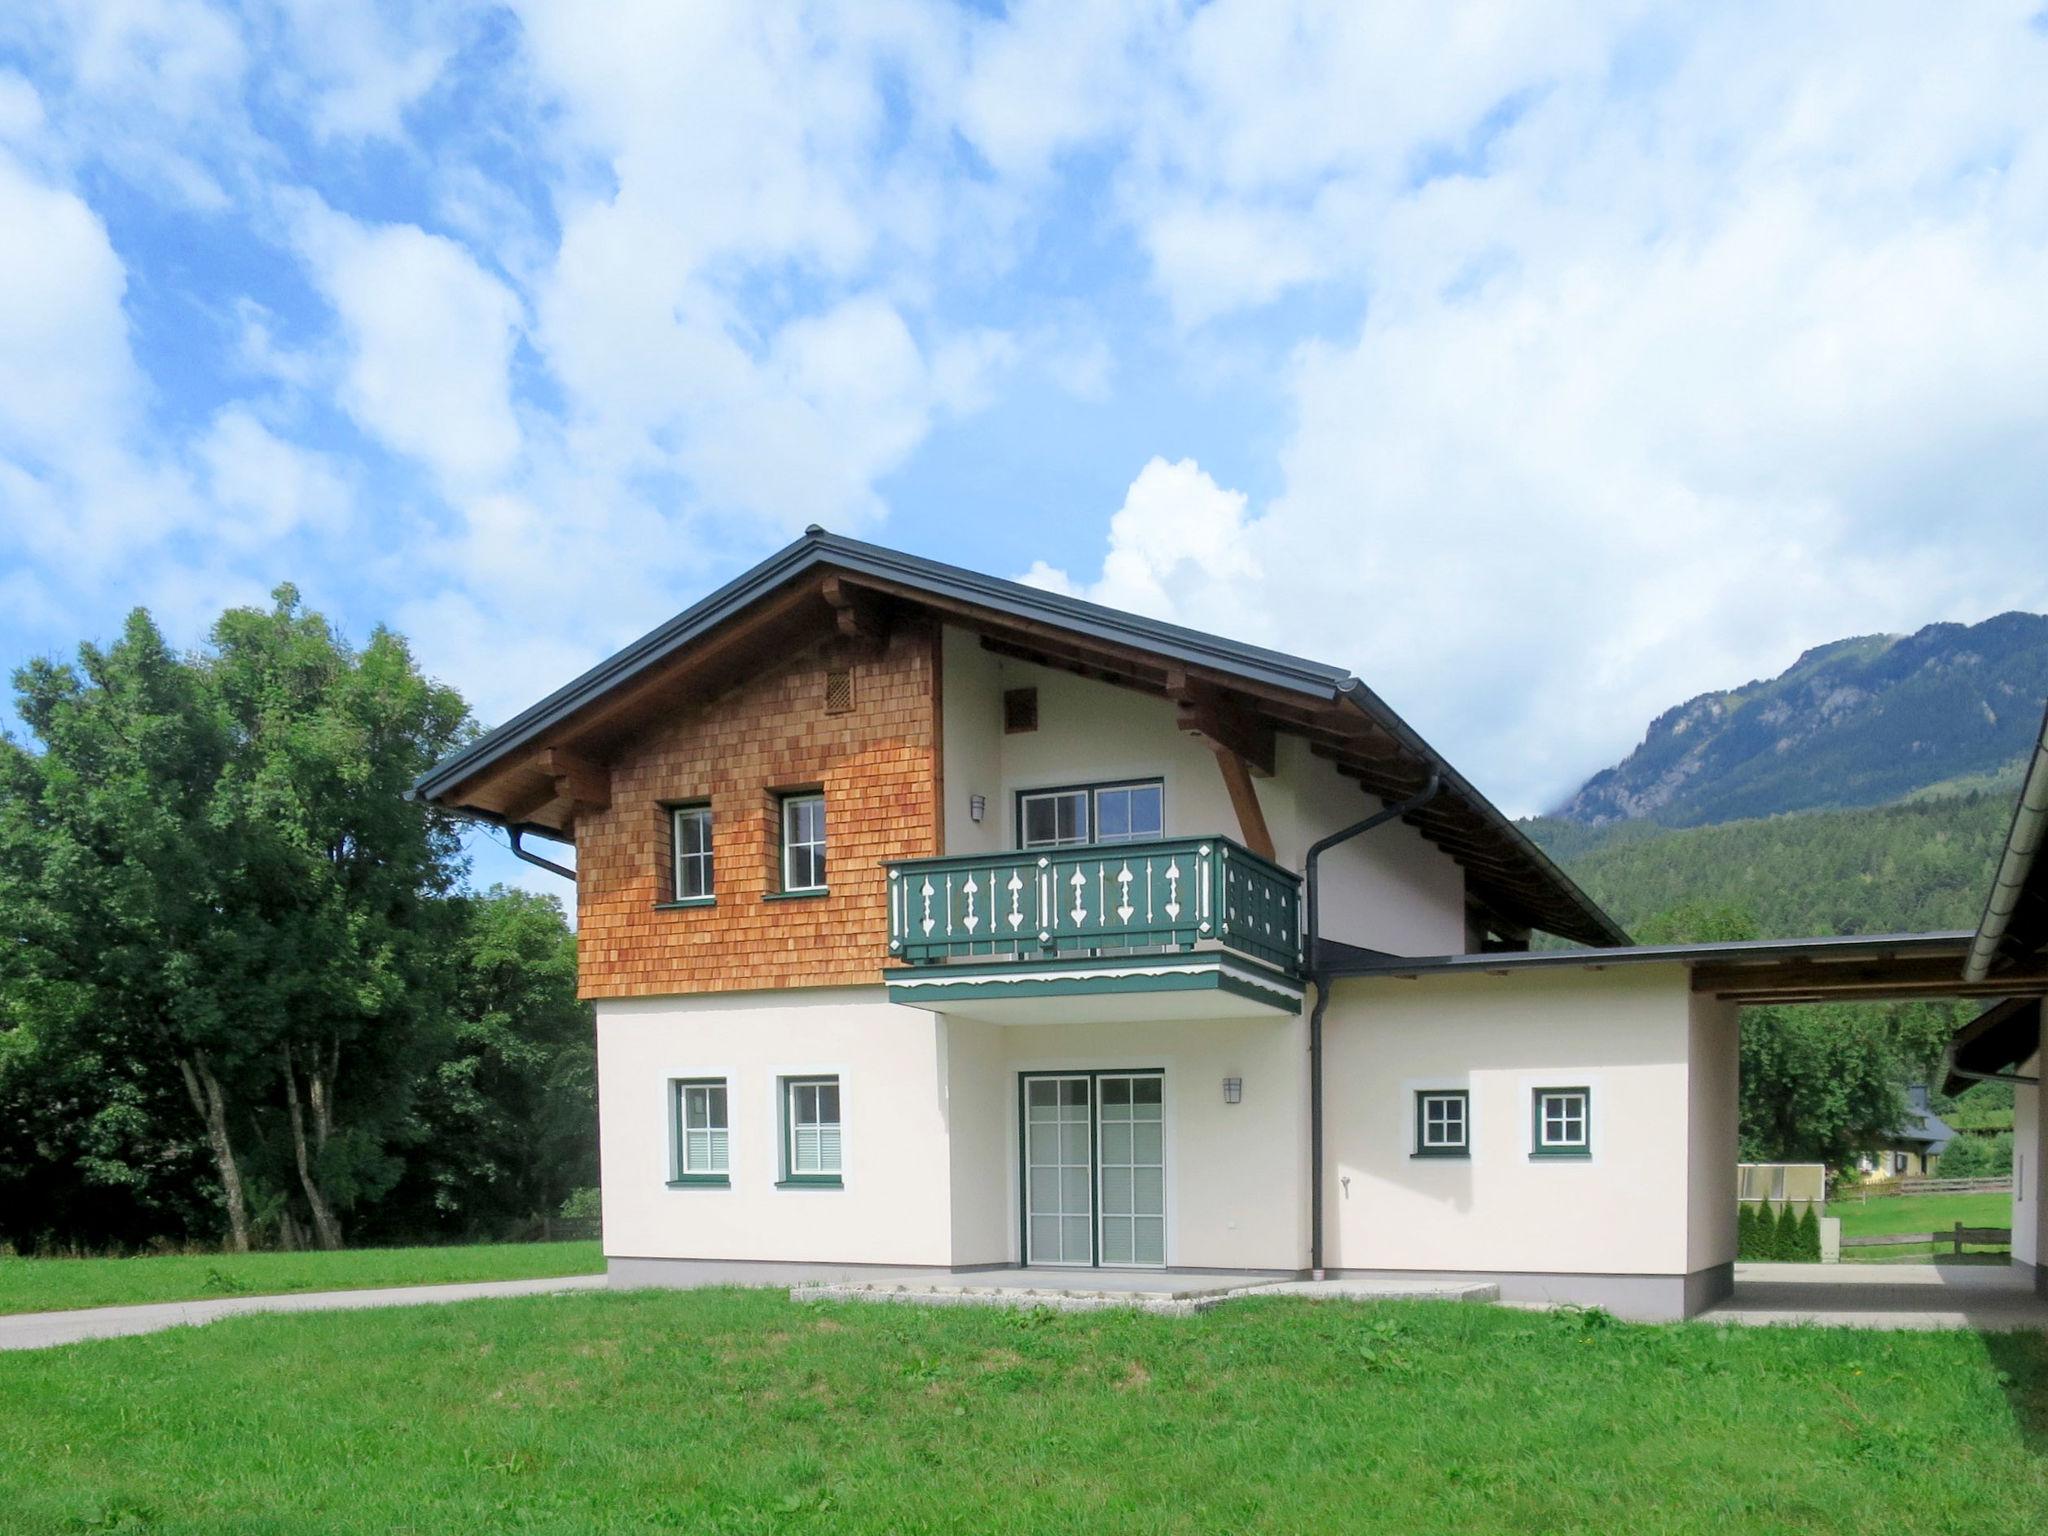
{"type": "Point", "coordinates": [1563, 1122]}
{"type": "Point", "coordinates": [1443, 1123]}
{"type": "Point", "coordinates": [703, 1148]}
{"type": "Point", "coordinates": [811, 1130]}
{"type": "Point", "coordinates": [690, 837]}
{"type": "Point", "coordinates": [1020, 710]}
{"type": "Point", "coordinates": [803, 843]}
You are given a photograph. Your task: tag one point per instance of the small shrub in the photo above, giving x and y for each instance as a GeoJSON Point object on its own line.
{"type": "Point", "coordinates": [1745, 1231]}
{"type": "Point", "coordinates": [1785, 1235]}
{"type": "Point", "coordinates": [1807, 1241]}
{"type": "Point", "coordinates": [582, 1205]}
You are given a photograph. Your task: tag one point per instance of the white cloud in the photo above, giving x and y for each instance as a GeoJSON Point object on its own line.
{"type": "Point", "coordinates": [365, 65]}
{"type": "Point", "coordinates": [266, 488]}
{"type": "Point", "coordinates": [429, 336]}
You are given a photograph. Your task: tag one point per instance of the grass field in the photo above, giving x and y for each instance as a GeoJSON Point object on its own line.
{"type": "Point", "coordinates": [729, 1411]}
{"type": "Point", "coordinates": [49, 1285]}
{"type": "Point", "coordinates": [1916, 1213]}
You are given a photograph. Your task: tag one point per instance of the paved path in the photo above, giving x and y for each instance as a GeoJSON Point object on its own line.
{"type": "Point", "coordinates": [39, 1330]}
{"type": "Point", "coordinates": [1984, 1296]}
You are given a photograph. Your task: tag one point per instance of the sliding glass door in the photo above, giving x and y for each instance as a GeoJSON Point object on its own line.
{"type": "Point", "coordinates": [1094, 1169]}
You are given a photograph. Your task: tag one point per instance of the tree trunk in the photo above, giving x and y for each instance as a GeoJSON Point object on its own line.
{"type": "Point", "coordinates": [326, 1226]}
{"type": "Point", "coordinates": [204, 1090]}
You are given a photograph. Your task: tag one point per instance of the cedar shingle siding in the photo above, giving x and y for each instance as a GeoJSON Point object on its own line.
{"type": "Point", "coordinates": [877, 765]}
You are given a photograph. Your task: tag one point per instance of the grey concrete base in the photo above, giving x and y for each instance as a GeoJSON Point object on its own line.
{"type": "Point", "coordinates": [1639, 1298]}
{"type": "Point", "coordinates": [1177, 1294]}
{"type": "Point", "coordinates": [688, 1274]}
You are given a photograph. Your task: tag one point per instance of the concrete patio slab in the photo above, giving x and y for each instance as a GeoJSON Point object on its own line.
{"type": "Point", "coordinates": [42, 1330]}
{"type": "Point", "coordinates": [1157, 1293]}
{"type": "Point", "coordinates": [1922, 1296]}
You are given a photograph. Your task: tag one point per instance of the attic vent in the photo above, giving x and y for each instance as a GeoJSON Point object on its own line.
{"type": "Point", "coordinates": [1020, 710]}
{"type": "Point", "coordinates": [839, 691]}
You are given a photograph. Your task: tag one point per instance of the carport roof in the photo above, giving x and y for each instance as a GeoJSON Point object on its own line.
{"type": "Point", "coordinates": [1861, 967]}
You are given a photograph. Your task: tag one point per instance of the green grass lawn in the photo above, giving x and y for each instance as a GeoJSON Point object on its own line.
{"type": "Point", "coordinates": [1880, 1215]}
{"type": "Point", "coordinates": [50, 1285]}
{"type": "Point", "coordinates": [729, 1411]}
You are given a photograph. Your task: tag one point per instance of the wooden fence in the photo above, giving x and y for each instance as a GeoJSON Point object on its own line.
{"type": "Point", "coordinates": [1982, 1237]}
{"type": "Point", "coordinates": [1992, 1186]}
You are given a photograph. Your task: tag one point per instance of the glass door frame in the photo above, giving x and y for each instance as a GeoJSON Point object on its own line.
{"type": "Point", "coordinates": [1094, 1075]}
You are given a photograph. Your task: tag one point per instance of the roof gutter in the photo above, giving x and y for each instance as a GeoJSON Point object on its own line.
{"type": "Point", "coordinates": [1312, 937]}
{"type": "Point", "coordinates": [2022, 845]}
{"type": "Point", "coordinates": [516, 830]}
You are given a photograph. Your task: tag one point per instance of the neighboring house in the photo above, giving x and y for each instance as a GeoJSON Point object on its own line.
{"type": "Point", "coordinates": [1914, 1147]}
{"type": "Point", "coordinates": [936, 921]}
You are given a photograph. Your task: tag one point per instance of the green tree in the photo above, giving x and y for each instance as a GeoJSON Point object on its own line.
{"type": "Point", "coordinates": [215, 882]}
{"type": "Point", "coordinates": [117, 854]}
{"type": "Point", "coordinates": [511, 1095]}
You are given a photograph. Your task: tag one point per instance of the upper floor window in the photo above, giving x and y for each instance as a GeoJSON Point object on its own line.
{"type": "Point", "coordinates": [803, 842]}
{"type": "Point", "coordinates": [691, 839]}
{"type": "Point", "coordinates": [1091, 813]}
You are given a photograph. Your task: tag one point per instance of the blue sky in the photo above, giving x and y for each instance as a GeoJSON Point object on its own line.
{"type": "Point", "coordinates": [1545, 369]}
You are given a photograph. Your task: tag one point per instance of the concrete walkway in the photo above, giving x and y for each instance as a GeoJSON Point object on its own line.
{"type": "Point", "coordinates": [1161, 1293]}
{"type": "Point", "coordinates": [1989, 1297]}
{"type": "Point", "coordinates": [40, 1330]}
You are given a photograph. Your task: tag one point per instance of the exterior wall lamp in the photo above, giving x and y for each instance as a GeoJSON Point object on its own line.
{"type": "Point", "coordinates": [977, 806]}
{"type": "Point", "coordinates": [1233, 1090]}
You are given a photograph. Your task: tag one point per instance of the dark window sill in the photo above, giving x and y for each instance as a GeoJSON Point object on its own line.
{"type": "Point", "coordinates": [795, 895]}
{"type": "Point", "coordinates": [687, 901]}
{"type": "Point", "coordinates": [1455, 1154]}
{"type": "Point", "coordinates": [701, 1181]}
{"type": "Point", "coordinates": [810, 1181]}
{"type": "Point", "coordinates": [1564, 1152]}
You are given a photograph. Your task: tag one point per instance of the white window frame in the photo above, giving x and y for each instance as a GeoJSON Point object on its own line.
{"type": "Point", "coordinates": [1544, 1145]}
{"type": "Point", "coordinates": [1424, 1145]}
{"type": "Point", "coordinates": [1090, 796]}
{"type": "Point", "coordinates": [790, 842]}
{"type": "Point", "coordinates": [792, 1171]}
{"type": "Point", "coordinates": [681, 859]}
{"type": "Point", "coordinates": [717, 1163]}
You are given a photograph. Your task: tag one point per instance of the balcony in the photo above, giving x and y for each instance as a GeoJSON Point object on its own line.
{"type": "Point", "coordinates": [1196, 927]}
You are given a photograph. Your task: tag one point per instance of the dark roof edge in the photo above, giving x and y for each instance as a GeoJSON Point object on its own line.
{"type": "Point", "coordinates": [818, 548]}
{"type": "Point", "coordinates": [1370, 703]}
{"type": "Point", "coordinates": [1996, 1040]}
{"type": "Point", "coordinates": [2017, 864]}
{"type": "Point", "coordinates": [1838, 946]}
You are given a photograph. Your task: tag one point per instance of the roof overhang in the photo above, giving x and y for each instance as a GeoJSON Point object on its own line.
{"type": "Point", "coordinates": [1996, 1041]}
{"type": "Point", "coordinates": [2015, 921]}
{"type": "Point", "coordinates": [1859, 968]}
{"type": "Point", "coordinates": [524, 771]}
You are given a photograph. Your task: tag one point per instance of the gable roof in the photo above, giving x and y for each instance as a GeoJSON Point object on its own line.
{"type": "Point", "coordinates": [1344, 720]}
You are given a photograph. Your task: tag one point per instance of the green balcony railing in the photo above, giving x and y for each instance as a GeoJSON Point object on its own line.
{"type": "Point", "coordinates": [1173, 894]}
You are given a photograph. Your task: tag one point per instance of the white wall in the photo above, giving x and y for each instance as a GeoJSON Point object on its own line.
{"type": "Point", "coordinates": [896, 1205]}
{"type": "Point", "coordinates": [1713, 1140]}
{"type": "Point", "coordinates": [1625, 1033]}
{"type": "Point", "coordinates": [1391, 890]}
{"type": "Point", "coordinates": [2030, 1161]}
{"type": "Point", "coordinates": [1236, 1174]}
{"type": "Point", "coordinates": [981, 1116]}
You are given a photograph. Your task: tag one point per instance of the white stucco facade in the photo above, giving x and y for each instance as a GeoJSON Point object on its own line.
{"type": "Point", "coordinates": [2029, 1162]}
{"type": "Point", "coordinates": [1653, 1196]}
{"type": "Point", "coordinates": [1393, 892]}
{"type": "Point", "coordinates": [931, 1129]}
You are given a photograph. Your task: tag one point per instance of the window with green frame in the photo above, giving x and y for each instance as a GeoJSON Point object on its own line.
{"type": "Point", "coordinates": [1085, 814]}
{"type": "Point", "coordinates": [1443, 1122]}
{"type": "Point", "coordinates": [1563, 1123]}
{"type": "Point", "coordinates": [811, 1131]}
{"type": "Point", "coordinates": [703, 1137]}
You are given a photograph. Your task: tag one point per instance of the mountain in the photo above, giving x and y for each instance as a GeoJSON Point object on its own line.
{"type": "Point", "coordinates": [1859, 722]}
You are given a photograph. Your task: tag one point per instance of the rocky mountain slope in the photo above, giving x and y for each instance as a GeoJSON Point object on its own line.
{"type": "Point", "coordinates": [1863, 721]}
